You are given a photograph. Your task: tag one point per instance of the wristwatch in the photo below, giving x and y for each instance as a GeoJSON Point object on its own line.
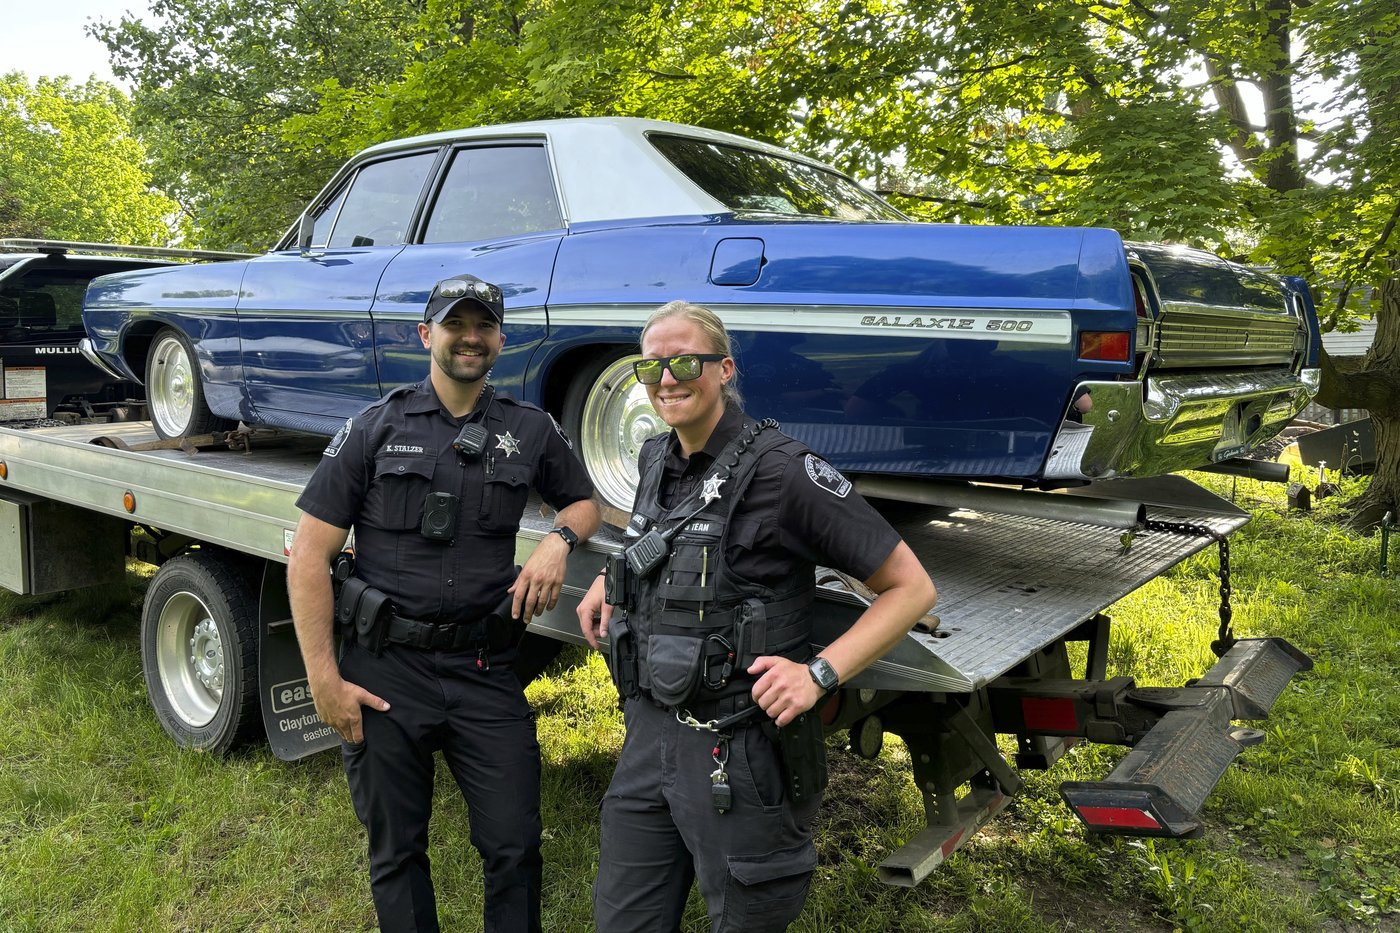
{"type": "Point", "coordinates": [567, 533]}
{"type": "Point", "coordinates": [823, 674]}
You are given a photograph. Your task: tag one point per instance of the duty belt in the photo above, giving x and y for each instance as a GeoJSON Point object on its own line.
{"type": "Point", "coordinates": [442, 636]}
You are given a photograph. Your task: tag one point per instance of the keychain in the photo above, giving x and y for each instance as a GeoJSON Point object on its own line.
{"type": "Point", "coordinates": [719, 778]}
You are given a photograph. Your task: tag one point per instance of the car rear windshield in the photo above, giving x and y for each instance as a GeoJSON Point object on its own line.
{"type": "Point", "coordinates": [748, 181]}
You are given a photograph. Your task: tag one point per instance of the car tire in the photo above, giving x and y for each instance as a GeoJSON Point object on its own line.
{"type": "Point", "coordinates": [174, 394]}
{"type": "Point", "coordinates": [608, 414]}
{"type": "Point", "coordinates": [199, 644]}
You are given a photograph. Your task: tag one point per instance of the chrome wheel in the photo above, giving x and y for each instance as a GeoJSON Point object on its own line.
{"type": "Point", "coordinates": [190, 658]}
{"type": "Point", "coordinates": [615, 420]}
{"type": "Point", "coordinates": [171, 388]}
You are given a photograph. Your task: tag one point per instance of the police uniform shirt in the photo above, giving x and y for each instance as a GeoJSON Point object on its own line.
{"type": "Point", "coordinates": [377, 472]}
{"type": "Point", "coordinates": [796, 510]}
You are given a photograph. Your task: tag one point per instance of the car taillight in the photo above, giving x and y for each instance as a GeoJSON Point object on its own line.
{"type": "Point", "coordinates": [1113, 346]}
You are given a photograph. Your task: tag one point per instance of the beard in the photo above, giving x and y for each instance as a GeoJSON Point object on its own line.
{"type": "Point", "coordinates": [464, 368]}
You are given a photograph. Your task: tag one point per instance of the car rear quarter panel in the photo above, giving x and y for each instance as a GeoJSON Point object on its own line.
{"type": "Point", "coordinates": [881, 345]}
{"type": "Point", "coordinates": [121, 314]}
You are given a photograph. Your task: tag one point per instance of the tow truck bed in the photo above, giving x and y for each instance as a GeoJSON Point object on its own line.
{"type": "Point", "coordinates": [1015, 587]}
{"type": "Point", "coordinates": [1004, 593]}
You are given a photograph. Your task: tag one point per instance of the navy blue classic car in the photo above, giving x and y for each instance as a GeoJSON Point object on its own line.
{"type": "Point", "coordinates": [1035, 355]}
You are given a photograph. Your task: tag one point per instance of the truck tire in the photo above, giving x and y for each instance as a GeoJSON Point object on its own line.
{"type": "Point", "coordinates": [173, 390]}
{"type": "Point", "coordinates": [608, 414]}
{"type": "Point", "coordinates": [199, 643]}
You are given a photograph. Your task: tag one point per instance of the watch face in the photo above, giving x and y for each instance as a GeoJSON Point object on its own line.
{"type": "Point", "coordinates": [823, 673]}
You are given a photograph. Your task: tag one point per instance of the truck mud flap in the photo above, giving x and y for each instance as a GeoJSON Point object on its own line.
{"type": "Point", "coordinates": [1159, 787]}
{"type": "Point", "coordinates": [289, 712]}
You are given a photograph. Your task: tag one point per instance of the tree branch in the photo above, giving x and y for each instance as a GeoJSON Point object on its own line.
{"type": "Point", "coordinates": [1366, 258]}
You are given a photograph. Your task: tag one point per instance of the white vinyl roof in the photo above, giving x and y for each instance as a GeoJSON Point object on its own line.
{"type": "Point", "coordinates": [605, 167]}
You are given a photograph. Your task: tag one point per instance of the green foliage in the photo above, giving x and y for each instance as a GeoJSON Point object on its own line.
{"type": "Point", "coordinates": [105, 824]}
{"type": "Point", "coordinates": [215, 82]}
{"type": "Point", "coordinates": [71, 169]}
{"type": "Point", "coordinates": [1004, 112]}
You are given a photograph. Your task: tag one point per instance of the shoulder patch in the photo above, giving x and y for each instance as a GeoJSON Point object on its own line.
{"type": "Point", "coordinates": [510, 400]}
{"type": "Point", "coordinates": [827, 476]}
{"type": "Point", "coordinates": [392, 394]}
{"type": "Point", "coordinates": [338, 441]}
{"type": "Point", "coordinates": [560, 431]}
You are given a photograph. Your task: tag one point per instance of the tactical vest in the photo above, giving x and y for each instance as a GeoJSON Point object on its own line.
{"type": "Point", "coordinates": [698, 624]}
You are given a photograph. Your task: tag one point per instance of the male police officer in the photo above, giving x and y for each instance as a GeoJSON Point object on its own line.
{"type": "Point", "coordinates": [433, 478]}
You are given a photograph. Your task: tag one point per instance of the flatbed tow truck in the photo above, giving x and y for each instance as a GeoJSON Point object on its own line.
{"type": "Point", "coordinates": [1020, 576]}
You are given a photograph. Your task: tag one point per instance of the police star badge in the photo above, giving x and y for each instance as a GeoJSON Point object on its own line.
{"type": "Point", "coordinates": [507, 443]}
{"type": "Point", "coordinates": [710, 492]}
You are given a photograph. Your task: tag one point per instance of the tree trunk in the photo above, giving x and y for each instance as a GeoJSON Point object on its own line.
{"type": "Point", "coordinates": [1375, 387]}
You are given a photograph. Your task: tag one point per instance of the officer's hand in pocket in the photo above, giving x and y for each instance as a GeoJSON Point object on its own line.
{"type": "Point", "coordinates": [338, 704]}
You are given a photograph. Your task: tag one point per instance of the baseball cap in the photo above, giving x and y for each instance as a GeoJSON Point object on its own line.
{"type": "Point", "coordinates": [447, 293]}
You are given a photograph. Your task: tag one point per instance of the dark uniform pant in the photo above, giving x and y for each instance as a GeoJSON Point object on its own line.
{"type": "Point", "coordinates": [479, 720]}
{"type": "Point", "coordinates": [661, 831]}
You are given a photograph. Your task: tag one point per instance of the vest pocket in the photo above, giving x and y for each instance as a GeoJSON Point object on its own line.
{"type": "Point", "coordinates": [503, 497]}
{"type": "Point", "coordinates": [673, 663]}
{"type": "Point", "coordinates": [394, 500]}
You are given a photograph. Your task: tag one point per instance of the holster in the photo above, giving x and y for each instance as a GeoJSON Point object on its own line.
{"type": "Point", "coordinates": [622, 658]}
{"type": "Point", "coordinates": [503, 632]}
{"type": "Point", "coordinates": [802, 751]}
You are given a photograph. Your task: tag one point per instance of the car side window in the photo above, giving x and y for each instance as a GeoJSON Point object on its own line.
{"type": "Point", "coordinates": [379, 206]}
{"type": "Point", "coordinates": [494, 192]}
{"type": "Point", "coordinates": [323, 218]}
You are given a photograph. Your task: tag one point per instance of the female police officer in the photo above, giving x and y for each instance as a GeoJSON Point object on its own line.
{"type": "Point", "coordinates": [730, 518]}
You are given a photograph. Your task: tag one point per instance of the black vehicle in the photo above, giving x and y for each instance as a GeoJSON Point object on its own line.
{"type": "Point", "coordinates": [43, 375]}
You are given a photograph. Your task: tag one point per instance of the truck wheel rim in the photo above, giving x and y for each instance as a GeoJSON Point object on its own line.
{"type": "Point", "coordinates": [617, 418]}
{"type": "Point", "coordinates": [190, 658]}
{"type": "Point", "coordinates": [170, 386]}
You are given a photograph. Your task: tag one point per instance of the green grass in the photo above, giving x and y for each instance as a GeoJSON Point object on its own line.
{"type": "Point", "coordinates": [106, 825]}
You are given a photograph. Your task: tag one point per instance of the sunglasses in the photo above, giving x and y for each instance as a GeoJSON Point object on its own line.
{"type": "Point", "coordinates": [683, 368]}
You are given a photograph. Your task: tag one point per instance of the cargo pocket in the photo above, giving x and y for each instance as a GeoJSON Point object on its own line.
{"type": "Point", "coordinates": [394, 501]}
{"type": "Point", "coordinates": [673, 664]}
{"type": "Point", "coordinates": [503, 497]}
{"type": "Point", "coordinates": [766, 892]}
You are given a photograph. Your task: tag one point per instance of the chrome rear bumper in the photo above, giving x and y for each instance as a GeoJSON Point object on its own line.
{"type": "Point", "coordinates": [89, 352]}
{"type": "Point", "coordinates": [1175, 422]}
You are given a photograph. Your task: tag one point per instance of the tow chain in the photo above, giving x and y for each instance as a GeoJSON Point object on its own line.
{"type": "Point", "coordinates": [1225, 640]}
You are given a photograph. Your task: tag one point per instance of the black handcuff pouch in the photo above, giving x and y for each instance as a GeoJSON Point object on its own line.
{"type": "Point", "coordinates": [372, 619]}
{"type": "Point", "coordinates": [347, 601]}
